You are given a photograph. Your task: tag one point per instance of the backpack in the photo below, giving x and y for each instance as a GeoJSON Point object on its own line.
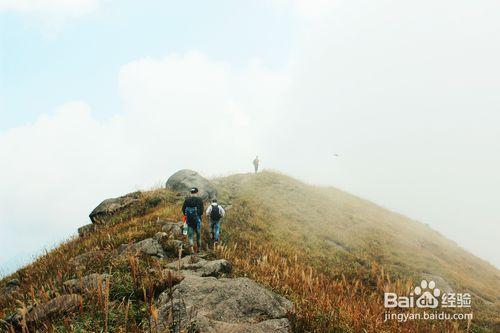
{"type": "Point", "coordinates": [215, 213]}
{"type": "Point", "coordinates": [192, 216]}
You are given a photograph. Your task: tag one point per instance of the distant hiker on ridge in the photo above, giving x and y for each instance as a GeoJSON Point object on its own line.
{"type": "Point", "coordinates": [215, 213]}
{"type": "Point", "coordinates": [193, 210]}
{"type": "Point", "coordinates": [256, 164]}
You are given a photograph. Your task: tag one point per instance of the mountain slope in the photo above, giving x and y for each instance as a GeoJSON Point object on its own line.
{"type": "Point", "coordinates": [338, 234]}
{"type": "Point", "coordinates": [331, 253]}
{"type": "Point", "coordinates": [330, 222]}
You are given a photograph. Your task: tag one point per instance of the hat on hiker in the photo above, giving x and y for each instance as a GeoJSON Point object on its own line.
{"type": "Point", "coordinates": [193, 190]}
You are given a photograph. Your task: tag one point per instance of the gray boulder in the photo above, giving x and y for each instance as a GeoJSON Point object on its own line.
{"type": "Point", "coordinates": [88, 283]}
{"type": "Point", "coordinates": [148, 246]}
{"type": "Point", "coordinates": [173, 229]}
{"type": "Point", "coordinates": [182, 181]}
{"type": "Point", "coordinates": [106, 209]}
{"type": "Point", "coordinates": [207, 304]}
{"type": "Point", "coordinates": [193, 265]}
{"type": "Point", "coordinates": [174, 276]}
{"type": "Point", "coordinates": [56, 306]}
{"type": "Point", "coordinates": [160, 236]}
{"type": "Point", "coordinates": [172, 246]}
{"type": "Point", "coordinates": [88, 257]}
{"type": "Point", "coordinates": [86, 229]}
{"type": "Point", "coordinates": [201, 323]}
{"type": "Point", "coordinates": [53, 308]}
{"type": "Point", "coordinates": [10, 288]}
{"type": "Point", "coordinates": [13, 283]}
{"type": "Point", "coordinates": [216, 268]}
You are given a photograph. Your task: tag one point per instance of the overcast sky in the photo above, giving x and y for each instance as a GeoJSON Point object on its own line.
{"type": "Point", "coordinates": [101, 97]}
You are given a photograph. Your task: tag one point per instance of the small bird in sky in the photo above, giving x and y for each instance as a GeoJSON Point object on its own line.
{"type": "Point", "coordinates": [336, 155]}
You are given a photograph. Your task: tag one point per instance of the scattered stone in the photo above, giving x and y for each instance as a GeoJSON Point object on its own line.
{"type": "Point", "coordinates": [88, 283]}
{"type": "Point", "coordinates": [172, 246]}
{"type": "Point", "coordinates": [175, 276]}
{"type": "Point", "coordinates": [191, 265]}
{"type": "Point", "coordinates": [109, 207]}
{"type": "Point", "coordinates": [182, 181]}
{"type": "Point", "coordinates": [148, 246]}
{"type": "Point", "coordinates": [55, 307]}
{"type": "Point", "coordinates": [216, 268]}
{"type": "Point", "coordinates": [10, 288]}
{"type": "Point", "coordinates": [188, 263]}
{"type": "Point", "coordinates": [86, 229]}
{"type": "Point", "coordinates": [13, 283]}
{"type": "Point", "coordinates": [83, 259]}
{"type": "Point", "coordinates": [159, 236]}
{"type": "Point", "coordinates": [173, 229]}
{"type": "Point", "coordinates": [202, 324]}
{"type": "Point", "coordinates": [207, 304]}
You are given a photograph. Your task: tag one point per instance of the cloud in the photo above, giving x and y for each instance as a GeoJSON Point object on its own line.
{"type": "Point", "coordinates": [405, 93]}
{"type": "Point", "coordinates": [71, 8]}
{"type": "Point", "coordinates": [181, 111]}
{"type": "Point", "coordinates": [308, 9]}
{"type": "Point", "coordinates": [50, 15]}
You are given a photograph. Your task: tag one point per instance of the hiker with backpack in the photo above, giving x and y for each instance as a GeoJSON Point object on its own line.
{"type": "Point", "coordinates": [215, 213]}
{"type": "Point", "coordinates": [192, 209]}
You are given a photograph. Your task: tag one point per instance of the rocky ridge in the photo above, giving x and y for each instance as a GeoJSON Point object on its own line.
{"type": "Point", "coordinates": [200, 296]}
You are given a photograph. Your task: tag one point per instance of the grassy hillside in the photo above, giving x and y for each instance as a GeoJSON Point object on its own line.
{"type": "Point", "coordinates": [356, 248]}
{"type": "Point", "coordinates": [128, 303]}
{"type": "Point", "coordinates": [331, 253]}
{"type": "Point", "coordinates": [333, 224]}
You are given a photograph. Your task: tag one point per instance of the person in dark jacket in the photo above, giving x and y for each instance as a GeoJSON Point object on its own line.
{"type": "Point", "coordinates": [193, 210]}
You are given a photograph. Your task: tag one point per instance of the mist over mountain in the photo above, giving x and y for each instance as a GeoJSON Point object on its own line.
{"type": "Point", "coordinates": [320, 248]}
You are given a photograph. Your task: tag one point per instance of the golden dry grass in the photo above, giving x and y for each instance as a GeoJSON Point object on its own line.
{"type": "Point", "coordinates": [335, 254]}
{"type": "Point", "coordinates": [124, 305]}
{"type": "Point", "coordinates": [331, 253]}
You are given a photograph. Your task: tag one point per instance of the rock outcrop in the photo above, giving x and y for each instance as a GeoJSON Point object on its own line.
{"type": "Point", "coordinates": [182, 181]}
{"type": "Point", "coordinates": [85, 258]}
{"type": "Point", "coordinates": [148, 246]}
{"type": "Point", "coordinates": [203, 303]}
{"type": "Point", "coordinates": [88, 284]}
{"type": "Point", "coordinates": [201, 267]}
{"type": "Point", "coordinates": [59, 305]}
{"type": "Point", "coordinates": [171, 247]}
{"type": "Point", "coordinates": [173, 229]}
{"type": "Point", "coordinates": [55, 307]}
{"type": "Point", "coordinates": [195, 294]}
{"type": "Point", "coordinates": [173, 275]}
{"type": "Point", "coordinates": [106, 209]}
{"type": "Point", "coordinates": [10, 288]}
{"type": "Point", "coordinates": [86, 229]}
